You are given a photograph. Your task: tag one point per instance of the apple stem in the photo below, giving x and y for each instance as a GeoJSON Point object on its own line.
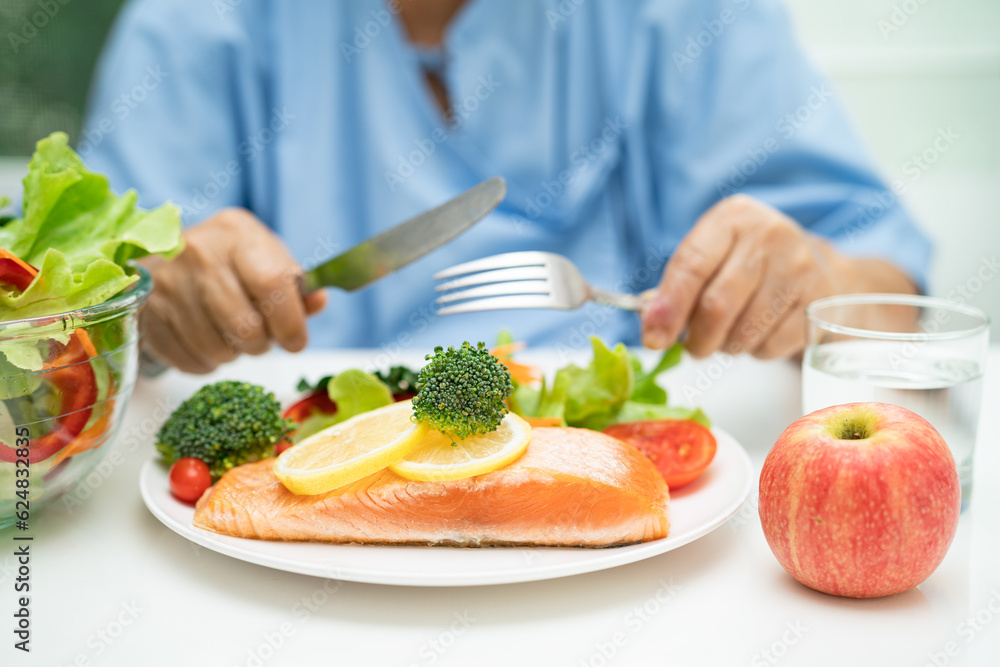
{"type": "Point", "coordinates": [853, 427]}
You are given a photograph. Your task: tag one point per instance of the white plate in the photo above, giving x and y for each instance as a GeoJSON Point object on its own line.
{"type": "Point", "coordinates": [695, 510]}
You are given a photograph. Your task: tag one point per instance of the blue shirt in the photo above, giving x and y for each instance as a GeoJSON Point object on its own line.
{"type": "Point", "coordinates": [615, 123]}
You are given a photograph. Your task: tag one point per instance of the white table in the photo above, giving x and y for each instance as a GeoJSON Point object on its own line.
{"type": "Point", "coordinates": [112, 586]}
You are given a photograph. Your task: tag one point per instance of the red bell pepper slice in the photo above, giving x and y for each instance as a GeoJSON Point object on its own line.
{"type": "Point", "coordinates": [313, 402]}
{"type": "Point", "coordinates": [14, 272]}
{"type": "Point", "coordinates": [68, 370]}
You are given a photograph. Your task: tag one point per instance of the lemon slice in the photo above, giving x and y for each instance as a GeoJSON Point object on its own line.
{"type": "Point", "coordinates": [437, 459]}
{"type": "Point", "coordinates": [349, 451]}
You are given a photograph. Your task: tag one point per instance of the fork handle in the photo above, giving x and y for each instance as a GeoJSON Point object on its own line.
{"type": "Point", "coordinates": [618, 300]}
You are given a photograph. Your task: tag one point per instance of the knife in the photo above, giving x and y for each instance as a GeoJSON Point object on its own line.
{"type": "Point", "coordinates": [396, 247]}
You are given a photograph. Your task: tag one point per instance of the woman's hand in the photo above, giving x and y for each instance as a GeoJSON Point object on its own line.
{"type": "Point", "coordinates": [234, 289]}
{"type": "Point", "coordinates": [741, 280]}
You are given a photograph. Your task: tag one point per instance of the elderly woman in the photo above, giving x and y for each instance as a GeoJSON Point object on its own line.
{"type": "Point", "coordinates": [681, 145]}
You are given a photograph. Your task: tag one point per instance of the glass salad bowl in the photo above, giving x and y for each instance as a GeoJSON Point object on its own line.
{"type": "Point", "coordinates": [64, 383]}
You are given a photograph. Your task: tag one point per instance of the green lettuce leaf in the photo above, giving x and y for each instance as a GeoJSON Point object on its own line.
{"type": "Point", "coordinates": [593, 395]}
{"type": "Point", "coordinates": [356, 391]}
{"type": "Point", "coordinates": [614, 388]}
{"type": "Point", "coordinates": [646, 390]}
{"type": "Point", "coordinates": [586, 397]}
{"type": "Point", "coordinates": [634, 411]}
{"type": "Point", "coordinates": [14, 382]}
{"type": "Point", "coordinates": [60, 290]}
{"type": "Point", "coordinates": [353, 391]}
{"type": "Point", "coordinates": [79, 234]}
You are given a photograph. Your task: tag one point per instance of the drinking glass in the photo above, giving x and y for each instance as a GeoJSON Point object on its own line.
{"type": "Point", "coordinates": [922, 353]}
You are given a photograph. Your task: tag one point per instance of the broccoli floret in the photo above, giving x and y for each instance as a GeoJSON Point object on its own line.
{"type": "Point", "coordinates": [225, 424]}
{"type": "Point", "coordinates": [461, 391]}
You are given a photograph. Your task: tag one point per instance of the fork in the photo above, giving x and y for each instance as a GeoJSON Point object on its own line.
{"type": "Point", "coordinates": [522, 280]}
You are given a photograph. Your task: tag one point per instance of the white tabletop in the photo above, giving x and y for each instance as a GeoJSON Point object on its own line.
{"type": "Point", "coordinates": [112, 586]}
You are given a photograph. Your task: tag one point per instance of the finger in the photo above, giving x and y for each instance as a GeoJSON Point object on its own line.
{"type": "Point", "coordinates": [787, 338]}
{"type": "Point", "coordinates": [270, 276]}
{"type": "Point", "coordinates": [160, 321]}
{"type": "Point", "coordinates": [316, 301]}
{"type": "Point", "coordinates": [693, 264]}
{"type": "Point", "coordinates": [234, 316]}
{"type": "Point", "coordinates": [196, 327]}
{"type": "Point", "coordinates": [725, 297]}
{"type": "Point", "coordinates": [189, 280]}
{"type": "Point", "coordinates": [164, 344]}
{"type": "Point", "coordinates": [768, 307]}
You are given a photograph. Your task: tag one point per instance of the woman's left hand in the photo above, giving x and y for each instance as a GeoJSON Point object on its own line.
{"type": "Point", "coordinates": [741, 279]}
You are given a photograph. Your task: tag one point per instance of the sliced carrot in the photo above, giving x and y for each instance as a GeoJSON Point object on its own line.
{"type": "Point", "coordinates": [507, 349]}
{"type": "Point", "coordinates": [520, 373]}
{"type": "Point", "coordinates": [86, 343]}
{"type": "Point", "coordinates": [92, 437]}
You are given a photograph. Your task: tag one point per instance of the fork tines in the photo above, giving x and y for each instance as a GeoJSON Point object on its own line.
{"type": "Point", "coordinates": [499, 282]}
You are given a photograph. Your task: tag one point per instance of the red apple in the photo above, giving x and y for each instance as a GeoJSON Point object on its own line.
{"type": "Point", "coordinates": [860, 500]}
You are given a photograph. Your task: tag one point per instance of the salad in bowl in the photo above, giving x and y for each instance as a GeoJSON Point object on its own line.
{"type": "Point", "coordinates": [70, 296]}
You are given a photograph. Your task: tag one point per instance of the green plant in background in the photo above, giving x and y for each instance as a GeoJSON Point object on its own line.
{"type": "Point", "coordinates": [48, 51]}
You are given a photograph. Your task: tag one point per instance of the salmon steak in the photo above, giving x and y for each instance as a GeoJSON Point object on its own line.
{"type": "Point", "coordinates": [572, 488]}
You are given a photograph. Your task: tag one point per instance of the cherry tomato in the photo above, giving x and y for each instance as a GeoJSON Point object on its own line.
{"type": "Point", "coordinates": [281, 447]}
{"type": "Point", "coordinates": [680, 450]}
{"type": "Point", "coordinates": [189, 477]}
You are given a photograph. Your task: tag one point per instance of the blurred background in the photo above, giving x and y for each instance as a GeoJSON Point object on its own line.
{"type": "Point", "coordinates": [908, 69]}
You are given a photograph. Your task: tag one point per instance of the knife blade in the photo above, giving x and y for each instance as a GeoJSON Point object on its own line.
{"type": "Point", "coordinates": [396, 247]}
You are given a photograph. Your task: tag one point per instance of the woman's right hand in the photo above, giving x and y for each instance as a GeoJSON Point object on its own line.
{"type": "Point", "coordinates": [234, 289]}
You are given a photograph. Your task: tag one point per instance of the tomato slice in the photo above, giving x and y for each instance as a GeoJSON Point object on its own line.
{"type": "Point", "coordinates": [189, 477]}
{"type": "Point", "coordinates": [680, 450]}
